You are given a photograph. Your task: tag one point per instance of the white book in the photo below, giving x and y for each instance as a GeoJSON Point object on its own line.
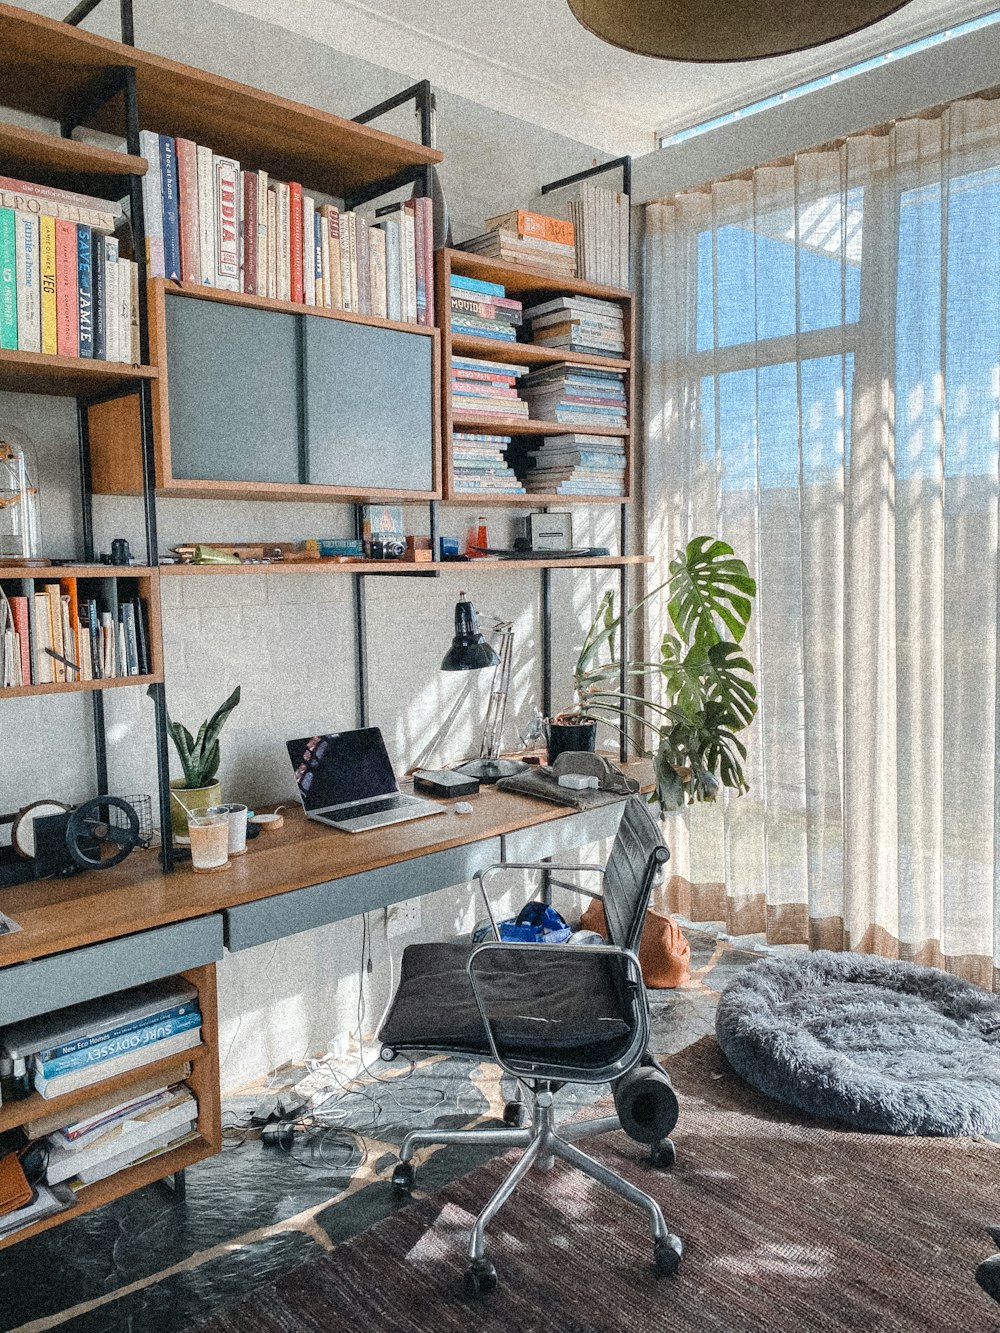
{"type": "Point", "coordinates": [114, 350]}
{"type": "Point", "coordinates": [283, 241]}
{"type": "Point", "coordinates": [121, 1064]}
{"type": "Point", "coordinates": [272, 243]}
{"type": "Point", "coordinates": [408, 267]}
{"type": "Point", "coordinates": [29, 282]}
{"type": "Point", "coordinates": [390, 226]}
{"type": "Point", "coordinates": [346, 287]}
{"type": "Point", "coordinates": [262, 226]}
{"type": "Point", "coordinates": [309, 250]}
{"type": "Point", "coordinates": [152, 205]}
{"type": "Point", "coordinates": [125, 309]}
{"type": "Point", "coordinates": [125, 1136]}
{"type": "Point", "coordinates": [377, 270]}
{"type": "Point", "coordinates": [129, 1157]}
{"type": "Point", "coordinates": [121, 650]}
{"type": "Point", "coordinates": [206, 214]}
{"type": "Point", "coordinates": [227, 223]}
{"type": "Point", "coordinates": [325, 287]}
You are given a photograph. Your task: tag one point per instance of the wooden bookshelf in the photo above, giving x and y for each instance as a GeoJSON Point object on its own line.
{"type": "Point", "coordinates": [408, 566]}
{"type": "Point", "coordinates": [67, 376]}
{"type": "Point", "coordinates": [523, 284]}
{"type": "Point", "coordinates": [50, 68]}
{"type": "Point", "coordinates": [67, 164]}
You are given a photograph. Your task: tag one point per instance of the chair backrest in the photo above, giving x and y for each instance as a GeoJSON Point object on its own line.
{"type": "Point", "coordinates": [635, 861]}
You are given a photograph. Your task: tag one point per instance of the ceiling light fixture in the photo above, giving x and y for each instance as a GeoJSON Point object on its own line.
{"type": "Point", "coordinates": [722, 30]}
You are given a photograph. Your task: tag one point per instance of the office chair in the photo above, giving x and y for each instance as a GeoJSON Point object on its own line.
{"type": "Point", "coordinates": [549, 1015]}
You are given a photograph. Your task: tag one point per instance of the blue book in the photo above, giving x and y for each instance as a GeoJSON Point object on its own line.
{"type": "Point", "coordinates": [176, 1010]}
{"type": "Point", "coordinates": [85, 270]}
{"type": "Point", "coordinates": [171, 212]}
{"type": "Point", "coordinates": [470, 331]}
{"type": "Point", "coordinates": [318, 252]}
{"type": "Point", "coordinates": [478, 285]}
{"type": "Point", "coordinates": [112, 1047]}
{"type": "Point", "coordinates": [98, 297]}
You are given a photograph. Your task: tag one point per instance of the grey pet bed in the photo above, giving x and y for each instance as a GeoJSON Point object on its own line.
{"type": "Point", "coordinates": [892, 1048]}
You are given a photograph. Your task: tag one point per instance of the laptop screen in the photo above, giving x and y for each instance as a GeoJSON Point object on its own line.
{"type": "Point", "coordinates": [341, 767]}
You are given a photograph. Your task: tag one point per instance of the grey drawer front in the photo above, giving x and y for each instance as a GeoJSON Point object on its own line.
{"type": "Point", "coordinates": [27, 989]}
{"type": "Point", "coordinates": [303, 909]}
{"type": "Point", "coordinates": [560, 836]}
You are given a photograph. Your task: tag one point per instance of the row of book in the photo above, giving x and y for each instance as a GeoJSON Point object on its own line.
{"type": "Point", "coordinates": [479, 463]}
{"type": "Point", "coordinates": [66, 289]}
{"type": "Point", "coordinates": [483, 310]}
{"type": "Point", "coordinates": [61, 632]}
{"type": "Point", "coordinates": [532, 240]}
{"type": "Point", "coordinates": [576, 395]}
{"type": "Point", "coordinates": [577, 464]}
{"type": "Point", "coordinates": [209, 221]}
{"type": "Point", "coordinates": [601, 221]}
{"type": "Point", "coordinates": [577, 324]}
{"type": "Point", "coordinates": [486, 388]}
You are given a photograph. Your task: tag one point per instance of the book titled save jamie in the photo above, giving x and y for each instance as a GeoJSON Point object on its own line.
{"type": "Point", "coordinates": [113, 1047]}
{"type": "Point", "coordinates": [85, 276]}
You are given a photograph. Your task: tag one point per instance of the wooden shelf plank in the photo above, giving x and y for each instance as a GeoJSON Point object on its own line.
{"type": "Point", "coordinates": [527, 354]}
{"type": "Point", "coordinates": [404, 567]}
{"type": "Point", "coordinates": [520, 281]}
{"type": "Point", "coordinates": [81, 686]}
{"type": "Point", "coordinates": [81, 571]}
{"type": "Point", "coordinates": [196, 290]}
{"type": "Point", "coordinates": [520, 426]}
{"type": "Point", "coordinates": [493, 500]}
{"type": "Point", "coordinates": [67, 376]}
{"type": "Point", "coordinates": [68, 164]}
{"type": "Point", "coordinates": [50, 67]}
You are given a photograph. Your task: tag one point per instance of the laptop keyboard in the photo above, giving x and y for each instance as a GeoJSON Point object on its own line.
{"type": "Point", "coordinates": [372, 808]}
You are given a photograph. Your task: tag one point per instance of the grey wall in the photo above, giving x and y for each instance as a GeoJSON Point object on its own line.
{"type": "Point", "coordinates": [288, 640]}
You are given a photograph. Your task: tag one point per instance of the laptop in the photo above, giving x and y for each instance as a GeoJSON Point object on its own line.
{"type": "Point", "coordinates": [345, 779]}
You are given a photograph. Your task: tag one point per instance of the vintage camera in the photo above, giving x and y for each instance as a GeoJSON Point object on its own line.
{"type": "Point", "coordinates": [388, 546]}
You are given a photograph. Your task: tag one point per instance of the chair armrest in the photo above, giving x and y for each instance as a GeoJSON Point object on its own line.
{"type": "Point", "coordinates": [481, 878]}
{"type": "Point", "coordinates": [545, 1062]}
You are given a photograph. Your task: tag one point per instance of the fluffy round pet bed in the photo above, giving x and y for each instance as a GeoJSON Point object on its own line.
{"type": "Point", "coordinates": [892, 1048]}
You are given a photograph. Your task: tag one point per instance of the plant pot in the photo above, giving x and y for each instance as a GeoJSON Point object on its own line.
{"type": "Point", "coordinates": [561, 736]}
{"type": "Point", "coordinates": [183, 799]}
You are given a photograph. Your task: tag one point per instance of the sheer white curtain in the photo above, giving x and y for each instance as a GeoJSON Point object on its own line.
{"type": "Point", "coordinates": [822, 387]}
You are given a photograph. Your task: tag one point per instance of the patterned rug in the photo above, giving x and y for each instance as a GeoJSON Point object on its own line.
{"type": "Point", "coordinates": [790, 1225]}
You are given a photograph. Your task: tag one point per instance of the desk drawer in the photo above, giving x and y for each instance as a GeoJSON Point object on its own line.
{"type": "Point", "coordinates": [303, 909]}
{"type": "Point", "coordinates": [27, 989]}
{"type": "Point", "coordinates": [561, 836]}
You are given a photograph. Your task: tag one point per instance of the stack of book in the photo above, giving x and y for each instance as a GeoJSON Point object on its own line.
{"type": "Point", "coordinates": [529, 239]}
{"type": "Point", "coordinates": [208, 221]}
{"type": "Point", "coordinates": [486, 388]}
{"type": "Point", "coordinates": [478, 463]}
{"type": "Point", "coordinates": [578, 324]}
{"type": "Point", "coordinates": [483, 310]}
{"type": "Point", "coordinates": [85, 1044]}
{"type": "Point", "coordinates": [103, 1141]}
{"type": "Point", "coordinates": [576, 396]}
{"type": "Point", "coordinates": [601, 219]}
{"type": "Point", "coordinates": [58, 633]}
{"type": "Point", "coordinates": [577, 464]}
{"type": "Point", "coordinates": [65, 287]}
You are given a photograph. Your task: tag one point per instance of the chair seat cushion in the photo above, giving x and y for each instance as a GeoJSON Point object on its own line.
{"type": "Point", "coordinates": [573, 1003]}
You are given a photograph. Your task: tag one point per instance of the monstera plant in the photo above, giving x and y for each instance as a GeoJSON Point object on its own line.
{"type": "Point", "coordinates": [695, 699]}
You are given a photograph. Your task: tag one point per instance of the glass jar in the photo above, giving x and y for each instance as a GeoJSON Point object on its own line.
{"type": "Point", "coordinates": [20, 533]}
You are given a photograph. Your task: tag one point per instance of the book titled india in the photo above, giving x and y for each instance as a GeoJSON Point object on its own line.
{"type": "Point", "coordinates": [29, 314]}
{"type": "Point", "coordinates": [85, 283]}
{"type": "Point", "coordinates": [67, 286]}
{"type": "Point", "coordinates": [227, 224]}
{"type": "Point", "coordinates": [171, 213]}
{"type": "Point", "coordinates": [99, 297]}
{"type": "Point", "coordinates": [8, 279]}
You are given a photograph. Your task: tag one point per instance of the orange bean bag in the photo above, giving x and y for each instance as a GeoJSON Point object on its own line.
{"type": "Point", "coordinates": [664, 953]}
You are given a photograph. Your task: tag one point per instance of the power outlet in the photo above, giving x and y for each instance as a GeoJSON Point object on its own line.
{"type": "Point", "coordinates": [402, 918]}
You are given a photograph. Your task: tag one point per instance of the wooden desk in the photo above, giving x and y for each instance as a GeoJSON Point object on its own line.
{"type": "Point", "coordinates": [96, 933]}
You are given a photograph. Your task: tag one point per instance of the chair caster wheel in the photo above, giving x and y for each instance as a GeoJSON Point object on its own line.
{"type": "Point", "coordinates": [388, 1054]}
{"type": "Point", "coordinates": [663, 1154]}
{"type": "Point", "coordinates": [480, 1279]}
{"type": "Point", "coordinates": [403, 1176]}
{"type": "Point", "coordinates": [667, 1255]}
{"type": "Point", "coordinates": [516, 1114]}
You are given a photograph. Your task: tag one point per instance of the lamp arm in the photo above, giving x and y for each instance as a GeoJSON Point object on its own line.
{"type": "Point", "coordinates": [493, 729]}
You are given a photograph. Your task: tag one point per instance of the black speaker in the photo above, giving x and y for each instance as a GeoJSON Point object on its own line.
{"type": "Point", "coordinates": [646, 1104]}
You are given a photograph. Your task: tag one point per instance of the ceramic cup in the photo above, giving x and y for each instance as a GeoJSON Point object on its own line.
{"type": "Point", "coordinates": [237, 815]}
{"type": "Point", "coordinates": [209, 834]}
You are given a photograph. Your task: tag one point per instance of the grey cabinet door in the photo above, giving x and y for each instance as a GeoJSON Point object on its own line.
{"type": "Point", "coordinates": [234, 382]}
{"type": "Point", "coordinates": [368, 420]}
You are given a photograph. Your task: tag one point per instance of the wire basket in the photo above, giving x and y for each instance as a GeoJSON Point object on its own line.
{"type": "Point", "coordinates": [143, 807]}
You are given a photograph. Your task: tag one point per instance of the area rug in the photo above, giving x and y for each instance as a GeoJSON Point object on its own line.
{"type": "Point", "coordinates": [873, 1043]}
{"type": "Point", "coordinates": [790, 1225]}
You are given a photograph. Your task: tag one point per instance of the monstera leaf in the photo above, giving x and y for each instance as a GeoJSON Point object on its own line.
{"type": "Point", "coordinates": [709, 585]}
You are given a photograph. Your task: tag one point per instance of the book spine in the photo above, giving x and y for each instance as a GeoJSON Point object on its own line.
{"type": "Point", "coordinates": [426, 207]}
{"type": "Point", "coordinates": [152, 202]}
{"type": "Point", "coordinates": [227, 219]}
{"type": "Point", "coordinates": [133, 309]}
{"type": "Point", "coordinates": [94, 628]}
{"type": "Point", "coordinates": [309, 257]}
{"type": "Point", "coordinates": [250, 232]}
{"type": "Point", "coordinates": [43, 674]}
{"type": "Point", "coordinates": [346, 239]}
{"type": "Point", "coordinates": [262, 227]}
{"type": "Point", "coordinates": [41, 206]}
{"type": "Point", "coordinates": [187, 189]}
{"type": "Point", "coordinates": [206, 215]}
{"type": "Point", "coordinates": [282, 243]}
{"type": "Point", "coordinates": [99, 297]}
{"type": "Point", "coordinates": [19, 612]}
{"type": "Point", "coordinates": [29, 311]}
{"type": "Point", "coordinates": [112, 351]}
{"type": "Point", "coordinates": [85, 290]}
{"type": "Point", "coordinates": [336, 288]}
{"type": "Point", "coordinates": [129, 1060]}
{"type": "Point", "coordinates": [324, 295]}
{"type": "Point", "coordinates": [477, 285]}
{"type": "Point", "coordinates": [364, 266]}
{"type": "Point", "coordinates": [272, 243]}
{"type": "Point", "coordinates": [124, 310]}
{"type": "Point", "coordinates": [47, 253]}
{"type": "Point", "coordinates": [8, 279]}
{"type": "Point", "coordinates": [420, 277]}
{"type": "Point", "coordinates": [50, 1054]}
{"type": "Point", "coordinates": [376, 259]}
{"type": "Point", "coordinates": [408, 267]}
{"type": "Point", "coordinates": [68, 197]}
{"type": "Point", "coordinates": [67, 303]}
{"type": "Point", "coordinates": [295, 241]}
{"type": "Point", "coordinates": [171, 213]}
{"type": "Point", "coordinates": [53, 610]}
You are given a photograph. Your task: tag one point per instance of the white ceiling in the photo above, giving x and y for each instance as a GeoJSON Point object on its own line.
{"type": "Point", "coordinates": [530, 58]}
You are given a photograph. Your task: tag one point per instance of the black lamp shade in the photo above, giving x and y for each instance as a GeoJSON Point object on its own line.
{"type": "Point", "coordinates": [469, 651]}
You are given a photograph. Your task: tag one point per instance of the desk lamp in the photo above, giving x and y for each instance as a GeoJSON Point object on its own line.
{"type": "Point", "coordinates": [469, 651]}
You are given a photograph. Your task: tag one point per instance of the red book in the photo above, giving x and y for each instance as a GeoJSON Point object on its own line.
{"type": "Point", "coordinates": [67, 290]}
{"type": "Point", "coordinates": [427, 205]}
{"type": "Point", "coordinates": [250, 231]}
{"type": "Point", "coordinates": [295, 236]}
{"type": "Point", "coordinates": [187, 181]}
{"type": "Point", "coordinates": [19, 611]}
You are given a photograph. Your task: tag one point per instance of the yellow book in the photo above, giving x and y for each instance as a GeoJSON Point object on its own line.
{"type": "Point", "coordinates": [48, 253]}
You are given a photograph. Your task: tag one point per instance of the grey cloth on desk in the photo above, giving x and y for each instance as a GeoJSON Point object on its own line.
{"type": "Point", "coordinates": [540, 782]}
